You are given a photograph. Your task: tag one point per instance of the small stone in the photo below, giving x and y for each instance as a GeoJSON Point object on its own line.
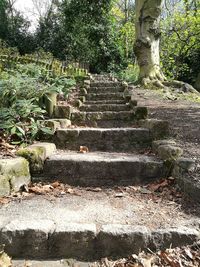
{"type": "Point", "coordinates": [169, 152]}
{"type": "Point", "coordinates": [157, 143]}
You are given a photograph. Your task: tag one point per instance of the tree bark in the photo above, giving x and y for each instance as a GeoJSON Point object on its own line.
{"type": "Point", "coordinates": [147, 41]}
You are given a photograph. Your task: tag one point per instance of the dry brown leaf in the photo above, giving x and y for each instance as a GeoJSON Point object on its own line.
{"type": "Point", "coordinates": [4, 200]}
{"type": "Point", "coordinates": [154, 187]}
{"type": "Point", "coordinates": [169, 260]}
{"type": "Point", "coordinates": [56, 184]}
{"type": "Point", "coordinates": [41, 189]}
{"type": "Point", "coordinates": [84, 149]}
{"type": "Point", "coordinates": [5, 260]}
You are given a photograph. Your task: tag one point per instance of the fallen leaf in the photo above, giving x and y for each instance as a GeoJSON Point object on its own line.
{"type": "Point", "coordinates": [5, 260]}
{"type": "Point", "coordinates": [154, 187]}
{"type": "Point", "coordinates": [56, 184]}
{"type": "Point", "coordinates": [188, 253]}
{"type": "Point", "coordinates": [4, 200]}
{"type": "Point", "coordinates": [169, 260]}
{"type": "Point", "coordinates": [84, 149]}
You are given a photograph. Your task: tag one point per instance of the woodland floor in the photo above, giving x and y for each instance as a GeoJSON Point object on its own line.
{"type": "Point", "coordinates": [184, 118]}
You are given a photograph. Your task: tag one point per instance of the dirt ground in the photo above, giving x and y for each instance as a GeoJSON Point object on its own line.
{"type": "Point", "coordinates": [184, 119]}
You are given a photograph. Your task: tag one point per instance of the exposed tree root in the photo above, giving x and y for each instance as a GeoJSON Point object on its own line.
{"type": "Point", "coordinates": [160, 81]}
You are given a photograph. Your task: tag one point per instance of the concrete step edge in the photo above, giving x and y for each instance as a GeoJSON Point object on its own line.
{"type": "Point", "coordinates": [45, 239]}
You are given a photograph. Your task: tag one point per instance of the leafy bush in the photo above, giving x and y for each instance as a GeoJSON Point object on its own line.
{"type": "Point", "coordinates": [21, 91]}
{"type": "Point", "coordinates": [130, 74]}
{"type": "Point", "coordinates": [19, 123]}
{"type": "Point", "coordinates": [180, 53]}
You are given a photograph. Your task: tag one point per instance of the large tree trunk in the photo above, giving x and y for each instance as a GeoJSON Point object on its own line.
{"type": "Point", "coordinates": [147, 40]}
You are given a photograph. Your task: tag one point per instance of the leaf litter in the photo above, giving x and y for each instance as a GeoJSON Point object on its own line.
{"type": "Point", "coordinates": [188, 256]}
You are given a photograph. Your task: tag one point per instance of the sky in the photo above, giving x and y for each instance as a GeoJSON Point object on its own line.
{"type": "Point", "coordinates": [27, 8]}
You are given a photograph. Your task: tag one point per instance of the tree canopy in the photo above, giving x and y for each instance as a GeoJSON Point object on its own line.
{"type": "Point", "coordinates": [102, 34]}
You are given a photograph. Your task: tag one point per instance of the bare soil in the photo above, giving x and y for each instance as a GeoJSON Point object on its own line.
{"type": "Point", "coordinates": [184, 119]}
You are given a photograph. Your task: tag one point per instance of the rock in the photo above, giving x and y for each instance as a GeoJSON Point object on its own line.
{"type": "Point", "coordinates": [55, 124]}
{"type": "Point", "coordinates": [183, 166]}
{"type": "Point", "coordinates": [133, 103]}
{"type": "Point", "coordinates": [16, 172]}
{"type": "Point", "coordinates": [36, 154]}
{"type": "Point", "coordinates": [30, 237]}
{"type": "Point", "coordinates": [63, 112]}
{"type": "Point", "coordinates": [157, 143]}
{"type": "Point", "coordinates": [187, 88]}
{"type": "Point", "coordinates": [68, 238]}
{"type": "Point", "coordinates": [4, 186]}
{"type": "Point", "coordinates": [118, 240]}
{"type": "Point", "coordinates": [83, 91]}
{"type": "Point", "coordinates": [141, 113]}
{"type": "Point", "coordinates": [125, 86]}
{"type": "Point", "coordinates": [169, 152]}
{"type": "Point", "coordinates": [173, 237]}
{"type": "Point", "coordinates": [82, 99]}
{"type": "Point", "coordinates": [158, 128]}
{"type": "Point", "coordinates": [78, 103]}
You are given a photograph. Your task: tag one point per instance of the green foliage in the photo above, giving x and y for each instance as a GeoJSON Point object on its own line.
{"type": "Point", "coordinates": [180, 50]}
{"type": "Point", "coordinates": [19, 121]}
{"type": "Point", "coordinates": [130, 74]}
{"type": "Point", "coordinates": [21, 91]}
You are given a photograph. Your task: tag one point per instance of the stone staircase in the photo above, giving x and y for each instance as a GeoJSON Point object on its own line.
{"type": "Point", "coordinates": [89, 226]}
{"type": "Point", "coordinates": [113, 137]}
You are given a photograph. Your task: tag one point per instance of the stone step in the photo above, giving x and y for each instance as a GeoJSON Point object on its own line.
{"type": "Point", "coordinates": [104, 102]}
{"type": "Point", "coordinates": [106, 107]}
{"type": "Point", "coordinates": [102, 169]}
{"type": "Point", "coordinates": [92, 225]}
{"type": "Point", "coordinates": [105, 84]}
{"type": "Point", "coordinates": [137, 113]}
{"type": "Point", "coordinates": [108, 96]}
{"type": "Point", "coordinates": [97, 90]}
{"type": "Point", "coordinates": [99, 139]}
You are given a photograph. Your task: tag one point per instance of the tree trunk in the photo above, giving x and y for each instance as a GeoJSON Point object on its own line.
{"type": "Point", "coordinates": [147, 40]}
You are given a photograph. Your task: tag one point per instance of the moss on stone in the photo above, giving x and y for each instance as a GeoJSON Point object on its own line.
{"type": "Point", "coordinates": [15, 172]}
{"type": "Point", "coordinates": [169, 152]}
{"type": "Point", "coordinates": [35, 157]}
{"type": "Point", "coordinates": [4, 186]}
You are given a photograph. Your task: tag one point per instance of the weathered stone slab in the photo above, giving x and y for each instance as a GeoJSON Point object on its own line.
{"type": "Point", "coordinates": [134, 115]}
{"type": "Point", "coordinates": [105, 84]}
{"type": "Point", "coordinates": [159, 128]}
{"type": "Point", "coordinates": [102, 102]}
{"type": "Point", "coordinates": [157, 143]}
{"type": "Point", "coordinates": [169, 152]}
{"type": "Point", "coordinates": [68, 239]}
{"type": "Point", "coordinates": [100, 139]}
{"type": "Point", "coordinates": [108, 96]}
{"type": "Point", "coordinates": [105, 107]}
{"type": "Point", "coordinates": [92, 169]}
{"type": "Point", "coordinates": [27, 238]}
{"type": "Point", "coordinates": [100, 90]}
{"type": "Point", "coordinates": [55, 124]}
{"type": "Point", "coordinates": [16, 172]}
{"type": "Point", "coordinates": [122, 240]}
{"type": "Point", "coordinates": [173, 237]}
{"type": "Point", "coordinates": [63, 112]}
{"type": "Point", "coordinates": [36, 154]}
